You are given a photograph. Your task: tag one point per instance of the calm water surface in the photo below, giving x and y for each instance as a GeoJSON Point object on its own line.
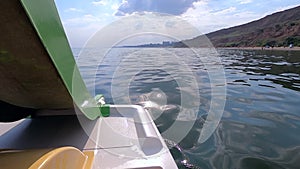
{"type": "Point", "coordinates": [260, 126]}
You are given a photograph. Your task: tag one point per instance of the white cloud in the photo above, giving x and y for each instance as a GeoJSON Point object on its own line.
{"type": "Point", "coordinates": [73, 10]}
{"type": "Point", "coordinates": [173, 7]}
{"type": "Point", "coordinates": [244, 1]}
{"type": "Point", "coordinates": [225, 11]}
{"type": "Point", "coordinates": [206, 19]}
{"type": "Point", "coordinates": [83, 20]}
{"type": "Point", "coordinates": [101, 2]}
{"type": "Point", "coordinates": [115, 7]}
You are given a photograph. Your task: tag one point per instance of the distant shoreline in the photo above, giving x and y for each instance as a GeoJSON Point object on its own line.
{"type": "Point", "coordinates": [260, 48]}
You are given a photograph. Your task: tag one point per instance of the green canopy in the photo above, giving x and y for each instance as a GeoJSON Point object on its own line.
{"type": "Point", "coordinates": [37, 68]}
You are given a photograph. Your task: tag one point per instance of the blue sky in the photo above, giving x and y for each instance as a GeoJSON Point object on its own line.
{"type": "Point", "coordinates": [83, 18]}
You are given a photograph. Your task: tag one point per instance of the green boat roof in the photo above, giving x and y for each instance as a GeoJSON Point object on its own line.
{"type": "Point", "coordinates": [37, 67]}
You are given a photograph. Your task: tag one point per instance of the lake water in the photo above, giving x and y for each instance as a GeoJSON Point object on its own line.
{"type": "Point", "coordinates": [260, 123]}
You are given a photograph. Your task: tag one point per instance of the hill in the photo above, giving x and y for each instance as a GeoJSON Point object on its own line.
{"type": "Point", "coordinates": [278, 29]}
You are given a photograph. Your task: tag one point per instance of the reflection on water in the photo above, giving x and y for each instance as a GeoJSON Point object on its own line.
{"type": "Point", "coordinates": [279, 67]}
{"type": "Point", "coordinates": [261, 121]}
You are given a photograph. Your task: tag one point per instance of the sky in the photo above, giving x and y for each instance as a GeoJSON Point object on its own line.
{"type": "Point", "coordinates": [83, 18]}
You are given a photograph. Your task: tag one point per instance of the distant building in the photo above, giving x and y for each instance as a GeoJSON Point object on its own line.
{"type": "Point", "coordinates": [166, 43]}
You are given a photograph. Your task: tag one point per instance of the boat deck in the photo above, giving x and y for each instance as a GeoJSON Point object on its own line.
{"type": "Point", "coordinates": [126, 139]}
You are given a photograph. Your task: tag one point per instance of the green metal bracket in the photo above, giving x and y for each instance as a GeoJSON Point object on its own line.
{"type": "Point", "coordinates": [105, 110]}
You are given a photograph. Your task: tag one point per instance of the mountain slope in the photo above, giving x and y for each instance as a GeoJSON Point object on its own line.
{"type": "Point", "coordinates": [278, 29]}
